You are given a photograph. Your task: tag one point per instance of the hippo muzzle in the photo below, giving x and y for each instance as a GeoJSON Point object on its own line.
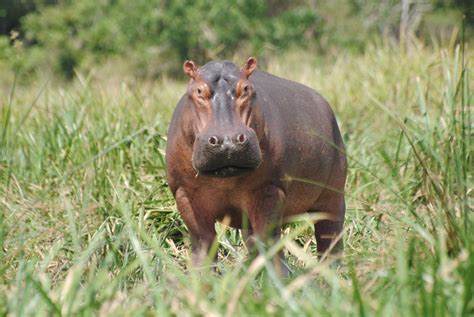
{"type": "Point", "coordinates": [226, 154]}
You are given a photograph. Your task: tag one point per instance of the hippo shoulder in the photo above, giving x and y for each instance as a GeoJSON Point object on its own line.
{"type": "Point", "coordinates": [175, 119]}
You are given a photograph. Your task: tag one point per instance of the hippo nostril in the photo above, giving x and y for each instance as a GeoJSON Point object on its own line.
{"type": "Point", "coordinates": [241, 138]}
{"type": "Point", "coordinates": [213, 140]}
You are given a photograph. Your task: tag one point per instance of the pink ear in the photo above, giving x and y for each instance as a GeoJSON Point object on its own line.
{"type": "Point", "coordinates": [250, 66]}
{"type": "Point", "coordinates": [190, 69]}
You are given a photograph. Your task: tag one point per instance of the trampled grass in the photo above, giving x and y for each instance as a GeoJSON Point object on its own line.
{"type": "Point", "coordinates": [87, 225]}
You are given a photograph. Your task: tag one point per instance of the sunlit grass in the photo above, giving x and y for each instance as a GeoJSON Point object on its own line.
{"type": "Point", "coordinates": [88, 226]}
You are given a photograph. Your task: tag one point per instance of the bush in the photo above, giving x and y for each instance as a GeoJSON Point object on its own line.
{"type": "Point", "coordinates": [154, 37]}
{"type": "Point", "coordinates": [164, 31]}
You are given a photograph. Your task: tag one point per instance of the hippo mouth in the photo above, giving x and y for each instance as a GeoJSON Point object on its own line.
{"type": "Point", "coordinates": [227, 171]}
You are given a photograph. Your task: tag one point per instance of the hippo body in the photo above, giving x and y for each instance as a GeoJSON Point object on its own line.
{"type": "Point", "coordinates": [255, 150]}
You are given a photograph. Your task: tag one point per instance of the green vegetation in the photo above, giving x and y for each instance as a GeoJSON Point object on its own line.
{"type": "Point", "coordinates": [88, 226]}
{"type": "Point", "coordinates": [157, 35]}
{"type": "Point", "coordinates": [152, 38]}
{"type": "Point", "coordinates": [87, 223]}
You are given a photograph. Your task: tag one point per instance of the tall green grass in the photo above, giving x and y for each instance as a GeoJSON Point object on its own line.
{"type": "Point", "coordinates": [87, 225]}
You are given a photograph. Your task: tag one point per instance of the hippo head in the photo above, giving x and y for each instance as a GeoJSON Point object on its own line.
{"type": "Point", "coordinates": [225, 121]}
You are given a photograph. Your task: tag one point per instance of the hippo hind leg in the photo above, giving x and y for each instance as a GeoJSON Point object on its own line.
{"type": "Point", "coordinates": [328, 231]}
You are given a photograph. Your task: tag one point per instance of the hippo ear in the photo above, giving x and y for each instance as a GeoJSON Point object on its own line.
{"type": "Point", "coordinates": [249, 66]}
{"type": "Point", "coordinates": [190, 69]}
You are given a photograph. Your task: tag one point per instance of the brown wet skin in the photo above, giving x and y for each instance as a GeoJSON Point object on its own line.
{"type": "Point", "coordinates": [256, 149]}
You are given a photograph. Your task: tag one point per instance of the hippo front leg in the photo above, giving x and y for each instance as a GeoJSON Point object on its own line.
{"type": "Point", "coordinates": [202, 233]}
{"type": "Point", "coordinates": [265, 216]}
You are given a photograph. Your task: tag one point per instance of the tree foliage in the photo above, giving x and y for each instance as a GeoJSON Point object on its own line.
{"type": "Point", "coordinates": [156, 36]}
{"type": "Point", "coordinates": [168, 31]}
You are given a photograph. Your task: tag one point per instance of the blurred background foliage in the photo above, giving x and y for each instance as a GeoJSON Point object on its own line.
{"type": "Point", "coordinates": [152, 38]}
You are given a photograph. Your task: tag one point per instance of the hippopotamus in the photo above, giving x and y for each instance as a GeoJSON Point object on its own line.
{"type": "Point", "coordinates": [254, 149]}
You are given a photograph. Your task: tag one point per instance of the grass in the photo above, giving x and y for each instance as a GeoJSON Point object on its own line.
{"type": "Point", "coordinates": [88, 226]}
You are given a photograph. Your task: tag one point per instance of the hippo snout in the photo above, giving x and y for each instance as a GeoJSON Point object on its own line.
{"type": "Point", "coordinates": [226, 154]}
